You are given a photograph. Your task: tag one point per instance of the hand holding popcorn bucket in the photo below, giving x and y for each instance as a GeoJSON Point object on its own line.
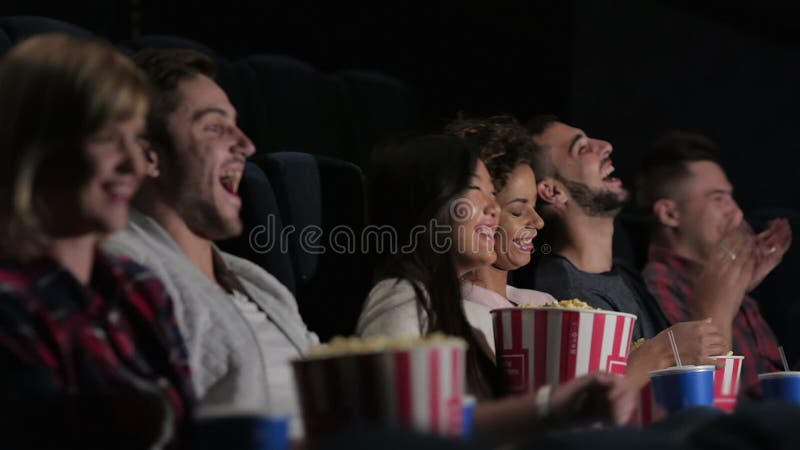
{"type": "Point", "coordinates": [554, 344]}
{"type": "Point", "coordinates": [411, 384]}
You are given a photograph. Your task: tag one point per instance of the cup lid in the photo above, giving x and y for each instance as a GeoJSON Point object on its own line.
{"type": "Point", "coordinates": [227, 411]}
{"type": "Point", "coordinates": [770, 375]}
{"type": "Point", "coordinates": [681, 369]}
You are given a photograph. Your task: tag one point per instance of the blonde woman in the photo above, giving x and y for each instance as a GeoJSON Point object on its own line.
{"type": "Point", "coordinates": [89, 349]}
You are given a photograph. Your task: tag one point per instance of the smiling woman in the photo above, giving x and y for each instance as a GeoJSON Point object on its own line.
{"type": "Point", "coordinates": [88, 343]}
{"type": "Point", "coordinates": [69, 135]}
{"type": "Point", "coordinates": [506, 149]}
{"type": "Point", "coordinates": [414, 184]}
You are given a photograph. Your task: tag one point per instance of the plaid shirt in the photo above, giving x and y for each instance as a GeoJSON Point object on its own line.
{"type": "Point", "coordinates": [670, 278]}
{"type": "Point", "coordinates": [105, 360]}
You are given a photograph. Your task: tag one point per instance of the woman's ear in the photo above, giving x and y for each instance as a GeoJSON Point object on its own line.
{"type": "Point", "coordinates": [666, 212]}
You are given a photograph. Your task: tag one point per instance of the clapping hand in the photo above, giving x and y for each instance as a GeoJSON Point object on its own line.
{"type": "Point", "coordinates": [726, 276]}
{"type": "Point", "coordinates": [770, 246]}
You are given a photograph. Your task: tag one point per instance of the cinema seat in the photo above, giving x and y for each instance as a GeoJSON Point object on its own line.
{"type": "Point", "coordinates": [18, 28]}
{"type": "Point", "coordinates": [5, 42]}
{"type": "Point", "coordinates": [304, 108]}
{"type": "Point", "coordinates": [381, 106]}
{"type": "Point", "coordinates": [322, 200]}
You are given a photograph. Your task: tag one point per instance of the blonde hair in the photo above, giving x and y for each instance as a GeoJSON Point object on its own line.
{"type": "Point", "coordinates": [56, 91]}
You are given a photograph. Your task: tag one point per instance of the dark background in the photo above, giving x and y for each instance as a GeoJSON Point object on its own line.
{"type": "Point", "coordinates": [625, 71]}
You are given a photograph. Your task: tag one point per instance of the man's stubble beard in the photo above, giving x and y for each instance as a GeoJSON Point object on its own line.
{"type": "Point", "coordinates": [199, 214]}
{"type": "Point", "coordinates": [595, 202]}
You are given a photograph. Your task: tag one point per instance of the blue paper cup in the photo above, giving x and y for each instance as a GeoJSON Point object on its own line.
{"type": "Point", "coordinates": [679, 388]}
{"type": "Point", "coordinates": [467, 416]}
{"type": "Point", "coordinates": [243, 432]}
{"type": "Point", "coordinates": [782, 386]}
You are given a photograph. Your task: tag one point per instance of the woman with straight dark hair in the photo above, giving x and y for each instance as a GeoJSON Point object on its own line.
{"type": "Point", "coordinates": [90, 355]}
{"type": "Point", "coordinates": [436, 197]}
{"type": "Point", "coordinates": [421, 199]}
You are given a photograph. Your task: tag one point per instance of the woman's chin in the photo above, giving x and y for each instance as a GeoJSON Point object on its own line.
{"type": "Point", "coordinates": [519, 259]}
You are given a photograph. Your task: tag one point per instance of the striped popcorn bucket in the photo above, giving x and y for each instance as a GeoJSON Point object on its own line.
{"type": "Point", "coordinates": [647, 410]}
{"type": "Point", "coordinates": [420, 388]}
{"type": "Point", "coordinates": [538, 346]}
{"type": "Point", "coordinates": [726, 382]}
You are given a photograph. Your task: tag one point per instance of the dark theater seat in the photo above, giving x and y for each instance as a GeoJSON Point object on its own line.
{"type": "Point", "coordinates": [18, 28]}
{"type": "Point", "coordinates": [304, 108]}
{"type": "Point", "coordinates": [322, 200]}
{"type": "Point", "coordinates": [166, 41]}
{"type": "Point", "coordinates": [5, 42]}
{"type": "Point", "coordinates": [381, 106]}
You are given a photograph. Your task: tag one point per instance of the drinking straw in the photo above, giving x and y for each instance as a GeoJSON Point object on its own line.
{"type": "Point", "coordinates": [674, 348]}
{"type": "Point", "coordinates": [783, 358]}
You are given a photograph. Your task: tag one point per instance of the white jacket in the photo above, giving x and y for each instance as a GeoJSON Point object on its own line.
{"type": "Point", "coordinates": [392, 310]}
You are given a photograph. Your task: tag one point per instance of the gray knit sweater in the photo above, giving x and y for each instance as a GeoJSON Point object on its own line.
{"type": "Point", "coordinates": [227, 362]}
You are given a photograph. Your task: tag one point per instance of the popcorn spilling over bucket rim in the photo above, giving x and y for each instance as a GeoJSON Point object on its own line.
{"type": "Point", "coordinates": [415, 384]}
{"type": "Point", "coordinates": [355, 346]}
{"type": "Point", "coordinates": [556, 308]}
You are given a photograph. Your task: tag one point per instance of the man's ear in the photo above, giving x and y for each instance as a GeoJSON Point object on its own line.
{"type": "Point", "coordinates": [551, 191]}
{"type": "Point", "coordinates": [150, 160]}
{"type": "Point", "coordinates": [666, 212]}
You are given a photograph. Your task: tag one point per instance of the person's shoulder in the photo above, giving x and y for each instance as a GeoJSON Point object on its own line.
{"type": "Point", "coordinates": [393, 288]}
{"type": "Point", "coordinates": [14, 292]}
{"type": "Point", "coordinates": [259, 283]}
{"type": "Point", "coordinates": [528, 296]}
{"type": "Point", "coordinates": [12, 278]}
{"type": "Point", "coordinates": [391, 294]}
{"type": "Point", "coordinates": [245, 269]}
{"type": "Point", "coordinates": [133, 243]}
{"type": "Point", "coordinates": [554, 263]}
{"type": "Point", "coordinates": [655, 270]}
{"type": "Point", "coordinates": [552, 270]}
{"type": "Point", "coordinates": [141, 281]}
{"type": "Point", "coordinates": [126, 265]}
{"type": "Point", "coordinates": [391, 310]}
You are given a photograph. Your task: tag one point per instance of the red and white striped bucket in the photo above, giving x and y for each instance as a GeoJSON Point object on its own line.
{"type": "Point", "coordinates": [419, 388]}
{"type": "Point", "coordinates": [539, 346]}
{"type": "Point", "coordinates": [647, 410]}
{"type": "Point", "coordinates": [726, 382]}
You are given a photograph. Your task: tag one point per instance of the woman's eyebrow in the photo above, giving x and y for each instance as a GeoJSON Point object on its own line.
{"type": "Point", "coordinates": [517, 200]}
